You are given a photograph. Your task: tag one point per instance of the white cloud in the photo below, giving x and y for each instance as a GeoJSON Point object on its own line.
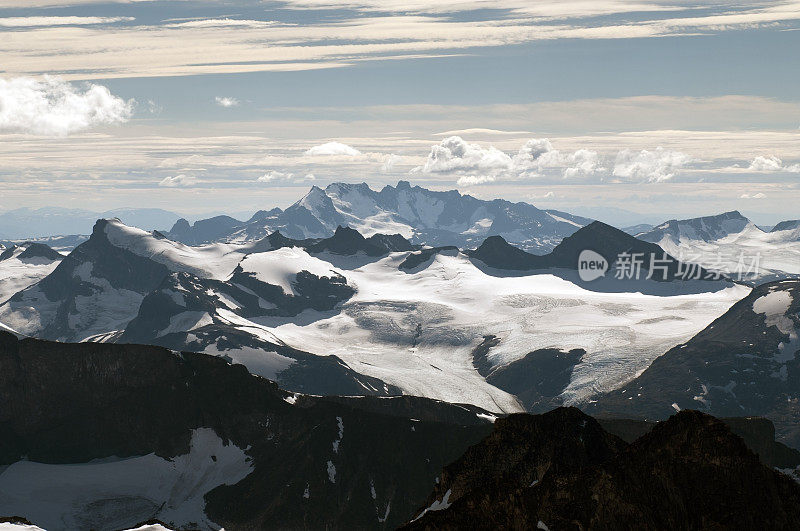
{"type": "Point", "coordinates": [333, 149]}
{"type": "Point", "coordinates": [758, 195]}
{"type": "Point", "coordinates": [470, 180]}
{"type": "Point", "coordinates": [478, 165]}
{"type": "Point", "coordinates": [223, 101]}
{"type": "Point", "coordinates": [51, 106]}
{"type": "Point", "coordinates": [539, 156]}
{"type": "Point", "coordinates": [274, 176]}
{"type": "Point", "coordinates": [454, 155]}
{"type": "Point", "coordinates": [649, 166]}
{"type": "Point", "coordinates": [178, 181]}
{"type": "Point", "coordinates": [773, 164]}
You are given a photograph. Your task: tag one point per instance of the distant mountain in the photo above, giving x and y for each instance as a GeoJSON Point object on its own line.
{"type": "Point", "coordinates": [792, 225]}
{"type": "Point", "coordinates": [731, 244]}
{"type": "Point", "coordinates": [420, 215]}
{"type": "Point", "coordinates": [638, 229]}
{"type": "Point", "coordinates": [62, 244]}
{"type": "Point", "coordinates": [747, 362]}
{"type": "Point", "coordinates": [53, 221]}
{"type": "Point", "coordinates": [610, 243]}
{"type": "Point", "coordinates": [563, 470]}
{"type": "Point", "coordinates": [707, 229]}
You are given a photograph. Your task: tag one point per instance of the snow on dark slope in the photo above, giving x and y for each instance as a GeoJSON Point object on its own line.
{"type": "Point", "coordinates": [744, 363]}
{"type": "Point", "coordinates": [109, 436]}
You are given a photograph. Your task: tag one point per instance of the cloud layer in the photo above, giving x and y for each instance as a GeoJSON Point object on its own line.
{"type": "Point", "coordinates": [351, 32]}
{"type": "Point", "coordinates": [51, 106]}
{"type": "Point", "coordinates": [537, 159]}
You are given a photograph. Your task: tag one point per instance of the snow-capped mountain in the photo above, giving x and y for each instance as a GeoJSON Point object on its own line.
{"type": "Point", "coordinates": [747, 362]}
{"type": "Point", "coordinates": [23, 265]}
{"type": "Point", "coordinates": [355, 315]}
{"type": "Point", "coordinates": [733, 245]}
{"type": "Point", "coordinates": [420, 215]}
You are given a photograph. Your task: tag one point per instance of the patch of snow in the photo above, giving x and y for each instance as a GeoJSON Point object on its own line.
{"type": "Point", "coordinates": [186, 322]}
{"type": "Point", "coordinates": [331, 472]}
{"type": "Point", "coordinates": [280, 267]}
{"type": "Point", "coordinates": [291, 399]}
{"type": "Point", "coordinates": [265, 363]}
{"type": "Point", "coordinates": [118, 493]}
{"type": "Point", "coordinates": [486, 416]}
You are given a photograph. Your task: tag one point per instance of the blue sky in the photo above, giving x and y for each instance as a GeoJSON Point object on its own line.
{"type": "Point", "coordinates": [667, 109]}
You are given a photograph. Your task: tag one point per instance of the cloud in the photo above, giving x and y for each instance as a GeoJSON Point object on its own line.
{"type": "Point", "coordinates": [478, 165]}
{"type": "Point", "coordinates": [390, 162]}
{"type": "Point", "coordinates": [470, 180]}
{"type": "Point", "coordinates": [333, 149]}
{"type": "Point", "coordinates": [226, 102]}
{"type": "Point", "coordinates": [274, 176]}
{"type": "Point", "coordinates": [773, 164]}
{"type": "Point", "coordinates": [25, 22]}
{"type": "Point", "coordinates": [178, 181]}
{"type": "Point", "coordinates": [360, 33]}
{"type": "Point", "coordinates": [539, 156]}
{"type": "Point", "coordinates": [758, 195]}
{"type": "Point", "coordinates": [51, 106]}
{"type": "Point", "coordinates": [649, 166]}
{"type": "Point", "coordinates": [453, 155]}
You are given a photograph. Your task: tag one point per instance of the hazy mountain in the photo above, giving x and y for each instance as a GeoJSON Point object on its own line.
{"type": "Point", "coordinates": [420, 215]}
{"type": "Point", "coordinates": [23, 265]}
{"type": "Point", "coordinates": [733, 245]}
{"type": "Point", "coordinates": [54, 221]}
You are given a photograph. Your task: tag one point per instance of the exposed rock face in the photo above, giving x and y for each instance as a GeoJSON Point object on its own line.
{"type": "Point", "coordinates": [363, 462]}
{"type": "Point", "coordinates": [689, 472]}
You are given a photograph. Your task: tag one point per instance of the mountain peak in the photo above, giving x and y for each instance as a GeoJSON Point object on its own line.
{"type": "Point", "coordinates": [496, 252]}
{"type": "Point", "coordinates": [403, 185]}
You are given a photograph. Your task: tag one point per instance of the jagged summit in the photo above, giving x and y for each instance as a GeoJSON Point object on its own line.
{"type": "Point", "coordinates": [422, 216]}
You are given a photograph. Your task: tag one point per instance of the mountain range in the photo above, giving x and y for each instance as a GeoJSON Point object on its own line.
{"type": "Point", "coordinates": [378, 315]}
{"type": "Point", "coordinates": [419, 215]}
{"type": "Point", "coordinates": [731, 244]}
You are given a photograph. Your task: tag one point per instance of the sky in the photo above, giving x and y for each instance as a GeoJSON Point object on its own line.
{"type": "Point", "coordinates": [658, 109]}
